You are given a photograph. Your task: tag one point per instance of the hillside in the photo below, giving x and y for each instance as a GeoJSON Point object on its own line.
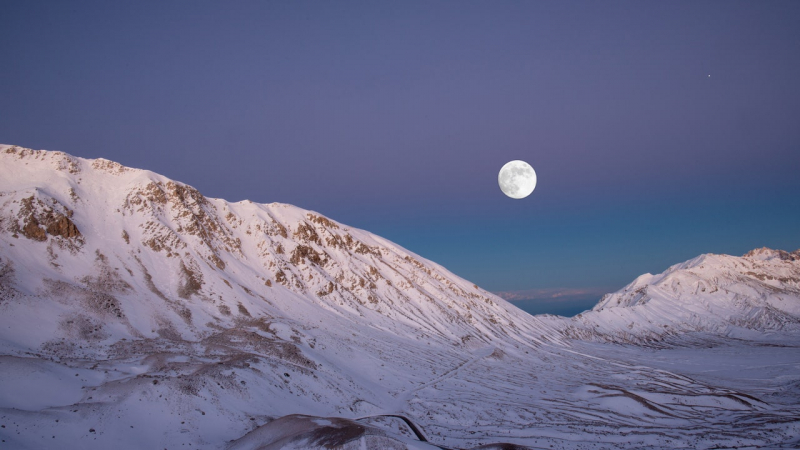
{"type": "Point", "coordinates": [755, 296]}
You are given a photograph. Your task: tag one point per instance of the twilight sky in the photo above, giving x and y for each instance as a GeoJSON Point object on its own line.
{"type": "Point", "coordinates": [395, 117]}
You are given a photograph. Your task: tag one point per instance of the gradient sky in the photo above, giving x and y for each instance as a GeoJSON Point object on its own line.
{"type": "Point", "coordinates": [395, 117]}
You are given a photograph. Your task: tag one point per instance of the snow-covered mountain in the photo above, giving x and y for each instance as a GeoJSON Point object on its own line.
{"type": "Point", "coordinates": [756, 296]}
{"type": "Point", "coordinates": [141, 256]}
{"type": "Point", "coordinates": [137, 313]}
{"type": "Point", "coordinates": [101, 261]}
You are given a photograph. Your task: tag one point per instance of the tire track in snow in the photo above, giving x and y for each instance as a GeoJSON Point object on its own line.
{"type": "Point", "coordinates": [404, 398]}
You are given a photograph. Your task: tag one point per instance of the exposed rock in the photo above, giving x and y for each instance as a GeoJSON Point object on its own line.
{"type": "Point", "coordinates": [766, 253]}
{"type": "Point", "coordinates": [306, 233]}
{"type": "Point", "coordinates": [40, 220]}
{"type": "Point", "coordinates": [33, 231]}
{"type": "Point", "coordinates": [305, 252]}
{"type": "Point", "coordinates": [324, 221]}
{"type": "Point", "coordinates": [192, 282]}
{"type": "Point", "coordinates": [62, 226]}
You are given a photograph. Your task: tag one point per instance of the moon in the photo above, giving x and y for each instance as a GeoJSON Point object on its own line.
{"type": "Point", "coordinates": [517, 179]}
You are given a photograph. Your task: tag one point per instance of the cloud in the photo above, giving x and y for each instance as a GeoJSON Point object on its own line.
{"type": "Point", "coordinates": [559, 301]}
{"type": "Point", "coordinates": [554, 294]}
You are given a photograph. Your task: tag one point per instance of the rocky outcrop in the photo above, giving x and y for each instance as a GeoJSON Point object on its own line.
{"type": "Point", "coordinates": [36, 220]}
{"type": "Point", "coordinates": [768, 253]}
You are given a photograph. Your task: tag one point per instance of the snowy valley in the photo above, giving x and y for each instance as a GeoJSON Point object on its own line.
{"type": "Point", "coordinates": [135, 313]}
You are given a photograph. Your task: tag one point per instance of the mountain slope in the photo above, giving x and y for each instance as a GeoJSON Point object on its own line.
{"type": "Point", "coordinates": [99, 232]}
{"type": "Point", "coordinates": [142, 284]}
{"type": "Point", "coordinates": [756, 296]}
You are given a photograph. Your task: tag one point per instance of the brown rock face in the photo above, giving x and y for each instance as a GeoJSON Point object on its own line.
{"type": "Point", "coordinates": [302, 252]}
{"type": "Point", "coordinates": [62, 226]}
{"type": "Point", "coordinates": [194, 215]}
{"type": "Point", "coordinates": [41, 220]}
{"type": "Point", "coordinates": [782, 254]}
{"type": "Point", "coordinates": [33, 231]}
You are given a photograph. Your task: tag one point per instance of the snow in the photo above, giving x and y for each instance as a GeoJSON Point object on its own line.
{"type": "Point", "coordinates": [32, 384]}
{"type": "Point", "coordinates": [198, 322]}
{"type": "Point", "coordinates": [746, 297]}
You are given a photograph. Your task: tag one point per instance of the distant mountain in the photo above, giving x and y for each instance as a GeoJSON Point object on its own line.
{"type": "Point", "coordinates": [753, 296]}
{"type": "Point", "coordinates": [552, 294]}
{"type": "Point", "coordinates": [563, 302]}
{"type": "Point", "coordinates": [137, 313]}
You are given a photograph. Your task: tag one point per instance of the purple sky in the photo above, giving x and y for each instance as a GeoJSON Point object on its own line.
{"type": "Point", "coordinates": [396, 116]}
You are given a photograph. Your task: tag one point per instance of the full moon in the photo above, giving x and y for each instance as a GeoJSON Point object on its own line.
{"type": "Point", "coordinates": [517, 179]}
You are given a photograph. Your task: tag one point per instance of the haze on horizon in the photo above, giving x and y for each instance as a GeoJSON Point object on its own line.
{"type": "Point", "coordinates": [395, 118]}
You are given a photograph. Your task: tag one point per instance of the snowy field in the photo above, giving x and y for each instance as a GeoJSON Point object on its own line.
{"type": "Point", "coordinates": [584, 396]}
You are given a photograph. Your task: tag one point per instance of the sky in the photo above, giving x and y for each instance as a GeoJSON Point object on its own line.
{"type": "Point", "coordinates": [658, 130]}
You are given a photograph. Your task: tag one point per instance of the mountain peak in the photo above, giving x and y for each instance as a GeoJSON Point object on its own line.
{"type": "Point", "coordinates": [720, 294]}
{"type": "Point", "coordinates": [765, 254]}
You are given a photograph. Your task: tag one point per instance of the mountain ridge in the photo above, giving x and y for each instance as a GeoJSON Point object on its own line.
{"type": "Point", "coordinates": [746, 297]}
{"type": "Point", "coordinates": [291, 249]}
